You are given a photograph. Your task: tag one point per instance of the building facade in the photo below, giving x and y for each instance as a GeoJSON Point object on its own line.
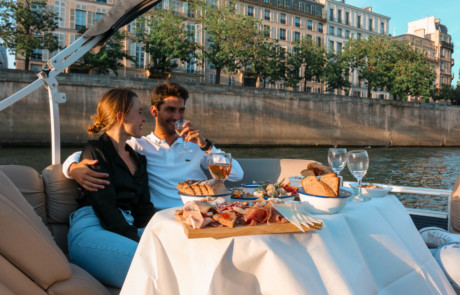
{"type": "Point", "coordinates": [344, 22]}
{"type": "Point", "coordinates": [430, 36]}
{"type": "Point", "coordinates": [327, 22]}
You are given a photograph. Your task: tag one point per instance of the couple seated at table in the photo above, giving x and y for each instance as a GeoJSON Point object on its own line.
{"type": "Point", "coordinates": [445, 245]}
{"type": "Point", "coordinates": [105, 230]}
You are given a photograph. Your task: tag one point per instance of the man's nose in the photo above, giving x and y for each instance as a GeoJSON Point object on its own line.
{"type": "Point", "coordinates": [177, 116]}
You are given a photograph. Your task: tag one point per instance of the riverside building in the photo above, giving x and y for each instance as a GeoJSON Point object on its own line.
{"type": "Point", "coordinates": [431, 37]}
{"type": "Point", "coordinates": [345, 21]}
{"type": "Point", "coordinates": [327, 22]}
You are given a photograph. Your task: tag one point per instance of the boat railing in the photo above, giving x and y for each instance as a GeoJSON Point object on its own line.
{"type": "Point", "coordinates": [419, 214]}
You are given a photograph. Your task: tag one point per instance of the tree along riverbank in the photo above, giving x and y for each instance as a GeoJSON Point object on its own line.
{"type": "Point", "coordinates": [238, 115]}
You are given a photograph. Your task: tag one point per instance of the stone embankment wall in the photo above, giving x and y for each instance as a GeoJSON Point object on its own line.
{"type": "Point", "coordinates": [237, 115]}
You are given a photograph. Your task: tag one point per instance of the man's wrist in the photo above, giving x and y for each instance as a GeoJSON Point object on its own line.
{"type": "Point", "coordinates": [207, 146]}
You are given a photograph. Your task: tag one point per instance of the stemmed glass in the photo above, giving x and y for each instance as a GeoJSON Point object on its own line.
{"type": "Point", "coordinates": [220, 165]}
{"type": "Point", "coordinates": [337, 159]}
{"type": "Point", "coordinates": [358, 163]}
{"type": "Point", "coordinates": [179, 126]}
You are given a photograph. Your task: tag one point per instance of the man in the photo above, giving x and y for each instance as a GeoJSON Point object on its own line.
{"type": "Point", "coordinates": [167, 161]}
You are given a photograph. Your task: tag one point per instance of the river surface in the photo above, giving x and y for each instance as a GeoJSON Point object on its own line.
{"type": "Point", "coordinates": [409, 166]}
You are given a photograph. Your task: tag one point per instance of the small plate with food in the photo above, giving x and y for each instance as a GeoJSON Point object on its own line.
{"type": "Point", "coordinates": [197, 190]}
{"type": "Point", "coordinates": [371, 190]}
{"type": "Point", "coordinates": [266, 190]}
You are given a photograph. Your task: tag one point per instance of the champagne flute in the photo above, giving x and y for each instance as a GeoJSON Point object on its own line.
{"type": "Point", "coordinates": [179, 126]}
{"type": "Point", "coordinates": [358, 163]}
{"type": "Point", "coordinates": [337, 159]}
{"type": "Point", "coordinates": [220, 165]}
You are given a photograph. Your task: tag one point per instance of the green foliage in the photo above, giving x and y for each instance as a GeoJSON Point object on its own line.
{"type": "Point", "coordinates": [306, 61]}
{"type": "Point", "coordinates": [392, 66]}
{"type": "Point", "coordinates": [233, 38]}
{"type": "Point", "coordinates": [370, 58]}
{"type": "Point", "coordinates": [410, 73]}
{"type": "Point", "coordinates": [27, 25]}
{"type": "Point", "coordinates": [270, 62]}
{"type": "Point", "coordinates": [337, 72]}
{"type": "Point", "coordinates": [108, 58]}
{"type": "Point", "coordinates": [166, 39]}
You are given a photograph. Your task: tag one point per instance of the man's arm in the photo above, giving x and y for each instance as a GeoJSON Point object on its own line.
{"type": "Point", "coordinates": [82, 174]}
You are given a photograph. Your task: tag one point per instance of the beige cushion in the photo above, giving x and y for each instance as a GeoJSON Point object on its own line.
{"type": "Point", "coordinates": [4, 290]}
{"type": "Point", "coordinates": [30, 247]}
{"type": "Point", "coordinates": [10, 191]}
{"type": "Point", "coordinates": [272, 170]}
{"type": "Point", "coordinates": [16, 281]}
{"type": "Point", "coordinates": [29, 183]}
{"type": "Point", "coordinates": [455, 207]}
{"type": "Point", "coordinates": [61, 194]}
{"type": "Point", "coordinates": [81, 282]}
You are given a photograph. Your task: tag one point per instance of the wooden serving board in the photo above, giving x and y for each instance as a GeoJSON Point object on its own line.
{"type": "Point", "coordinates": [242, 230]}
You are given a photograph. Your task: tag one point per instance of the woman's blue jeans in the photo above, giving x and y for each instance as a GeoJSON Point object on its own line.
{"type": "Point", "coordinates": [104, 254]}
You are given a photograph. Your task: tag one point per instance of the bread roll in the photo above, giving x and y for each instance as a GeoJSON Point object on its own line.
{"type": "Point", "coordinates": [332, 181]}
{"type": "Point", "coordinates": [313, 186]}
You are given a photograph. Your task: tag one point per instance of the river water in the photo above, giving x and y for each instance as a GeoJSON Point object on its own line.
{"type": "Point", "coordinates": [409, 166]}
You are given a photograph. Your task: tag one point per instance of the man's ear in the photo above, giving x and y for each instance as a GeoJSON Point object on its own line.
{"type": "Point", "coordinates": [154, 111]}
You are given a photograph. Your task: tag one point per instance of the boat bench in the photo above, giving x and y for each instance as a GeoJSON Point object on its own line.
{"type": "Point", "coordinates": [34, 214]}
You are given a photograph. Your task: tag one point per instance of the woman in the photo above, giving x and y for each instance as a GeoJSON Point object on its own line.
{"type": "Point", "coordinates": [104, 232]}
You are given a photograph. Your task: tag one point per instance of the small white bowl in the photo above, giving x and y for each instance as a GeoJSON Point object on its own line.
{"type": "Point", "coordinates": [379, 192]}
{"type": "Point", "coordinates": [187, 198]}
{"type": "Point", "coordinates": [324, 205]}
{"type": "Point", "coordinates": [295, 181]}
{"type": "Point", "coordinates": [250, 188]}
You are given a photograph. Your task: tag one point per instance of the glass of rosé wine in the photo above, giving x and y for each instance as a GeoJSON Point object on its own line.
{"type": "Point", "coordinates": [220, 165]}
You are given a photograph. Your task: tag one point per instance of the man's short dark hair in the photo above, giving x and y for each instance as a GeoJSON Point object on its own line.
{"type": "Point", "coordinates": [166, 89]}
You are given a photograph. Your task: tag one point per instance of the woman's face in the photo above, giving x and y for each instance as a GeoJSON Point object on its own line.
{"type": "Point", "coordinates": [134, 119]}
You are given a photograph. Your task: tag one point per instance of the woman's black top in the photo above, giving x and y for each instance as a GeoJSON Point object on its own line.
{"type": "Point", "coordinates": [125, 191]}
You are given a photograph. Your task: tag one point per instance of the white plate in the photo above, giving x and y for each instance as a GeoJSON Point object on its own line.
{"type": "Point", "coordinates": [187, 198]}
{"type": "Point", "coordinates": [380, 192]}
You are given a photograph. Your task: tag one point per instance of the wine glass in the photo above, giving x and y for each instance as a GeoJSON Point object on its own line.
{"type": "Point", "coordinates": [358, 163]}
{"type": "Point", "coordinates": [337, 159]}
{"type": "Point", "coordinates": [220, 165]}
{"type": "Point", "coordinates": [179, 126]}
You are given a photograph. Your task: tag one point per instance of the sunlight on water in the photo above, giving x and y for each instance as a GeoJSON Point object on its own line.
{"type": "Point", "coordinates": [408, 166]}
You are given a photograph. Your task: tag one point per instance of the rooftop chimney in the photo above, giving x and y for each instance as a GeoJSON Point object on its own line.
{"type": "Point", "coordinates": [368, 8]}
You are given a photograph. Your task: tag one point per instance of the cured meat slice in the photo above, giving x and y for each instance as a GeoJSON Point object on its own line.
{"type": "Point", "coordinates": [226, 218]}
{"type": "Point", "coordinates": [258, 214]}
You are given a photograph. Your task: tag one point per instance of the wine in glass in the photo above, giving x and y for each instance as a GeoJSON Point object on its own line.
{"type": "Point", "coordinates": [220, 165]}
{"type": "Point", "coordinates": [337, 159]}
{"type": "Point", "coordinates": [179, 126]}
{"type": "Point", "coordinates": [358, 163]}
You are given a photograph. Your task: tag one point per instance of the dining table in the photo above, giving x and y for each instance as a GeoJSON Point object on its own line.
{"type": "Point", "coordinates": [367, 248]}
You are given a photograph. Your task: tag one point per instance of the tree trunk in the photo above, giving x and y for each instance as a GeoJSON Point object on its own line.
{"type": "Point", "coordinates": [305, 84]}
{"type": "Point", "coordinates": [218, 70]}
{"type": "Point", "coordinates": [26, 63]}
{"type": "Point", "coordinates": [368, 90]}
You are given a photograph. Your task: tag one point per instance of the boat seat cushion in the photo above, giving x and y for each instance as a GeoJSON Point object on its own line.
{"type": "Point", "coordinates": [81, 282]}
{"type": "Point", "coordinates": [455, 208]}
{"type": "Point", "coordinates": [29, 182]}
{"type": "Point", "coordinates": [61, 194]}
{"type": "Point", "coordinates": [29, 245]}
{"type": "Point", "coordinates": [16, 281]}
{"type": "Point", "coordinates": [272, 170]}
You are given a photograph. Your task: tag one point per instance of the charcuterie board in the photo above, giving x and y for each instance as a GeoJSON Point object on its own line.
{"type": "Point", "coordinates": [242, 230]}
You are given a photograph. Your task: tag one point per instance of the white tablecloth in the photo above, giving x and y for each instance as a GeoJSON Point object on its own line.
{"type": "Point", "coordinates": [369, 248]}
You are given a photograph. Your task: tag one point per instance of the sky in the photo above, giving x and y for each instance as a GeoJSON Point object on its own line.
{"type": "Point", "coordinates": [402, 12]}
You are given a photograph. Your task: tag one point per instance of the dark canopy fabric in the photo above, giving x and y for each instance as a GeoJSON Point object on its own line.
{"type": "Point", "coordinates": [121, 14]}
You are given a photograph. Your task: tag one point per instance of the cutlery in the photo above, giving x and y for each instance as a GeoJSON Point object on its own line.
{"type": "Point", "coordinates": [287, 211]}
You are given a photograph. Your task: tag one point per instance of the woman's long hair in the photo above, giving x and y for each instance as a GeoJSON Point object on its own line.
{"type": "Point", "coordinates": [109, 105]}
